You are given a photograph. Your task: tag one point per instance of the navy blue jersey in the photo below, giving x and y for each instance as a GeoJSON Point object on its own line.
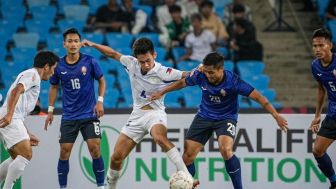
{"type": "Point", "coordinates": [220, 102]}
{"type": "Point", "coordinates": [327, 76]}
{"type": "Point", "coordinates": [77, 82]}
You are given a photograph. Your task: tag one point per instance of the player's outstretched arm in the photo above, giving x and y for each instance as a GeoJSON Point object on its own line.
{"type": "Point", "coordinates": [11, 103]}
{"type": "Point", "coordinates": [172, 87]}
{"type": "Point", "coordinates": [51, 101]}
{"type": "Point", "coordinates": [106, 50]}
{"type": "Point", "coordinates": [281, 121]}
{"type": "Point", "coordinates": [321, 92]}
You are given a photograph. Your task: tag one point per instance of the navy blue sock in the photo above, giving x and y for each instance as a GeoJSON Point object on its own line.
{"type": "Point", "coordinates": [325, 165]}
{"type": "Point", "coordinates": [191, 169]}
{"type": "Point", "coordinates": [233, 168]}
{"type": "Point", "coordinates": [99, 170]}
{"type": "Point", "coordinates": [63, 170]}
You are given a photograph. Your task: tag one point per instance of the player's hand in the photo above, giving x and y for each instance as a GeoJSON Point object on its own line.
{"type": "Point", "coordinates": [200, 68]}
{"type": "Point", "coordinates": [315, 124]}
{"type": "Point", "coordinates": [87, 43]}
{"type": "Point", "coordinates": [5, 120]}
{"type": "Point", "coordinates": [49, 120]}
{"type": "Point", "coordinates": [155, 96]}
{"type": "Point", "coordinates": [34, 141]}
{"type": "Point", "coordinates": [99, 109]}
{"type": "Point", "coordinates": [282, 123]}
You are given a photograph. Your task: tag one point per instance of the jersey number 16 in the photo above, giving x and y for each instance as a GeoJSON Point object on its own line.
{"type": "Point", "coordinates": [75, 83]}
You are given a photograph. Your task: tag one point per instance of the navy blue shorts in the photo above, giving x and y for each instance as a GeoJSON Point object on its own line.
{"type": "Point", "coordinates": [328, 128]}
{"type": "Point", "coordinates": [201, 129]}
{"type": "Point", "coordinates": [69, 129]}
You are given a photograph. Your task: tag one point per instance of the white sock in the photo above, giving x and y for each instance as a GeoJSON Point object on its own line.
{"type": "Point", "coordinates": [4, 168]}
{"type": "Point", "coordinates": [101, 187]}
{"type": "Point", "coordinates": [15, 170]}
{"type": "Point", "coordinates": [112, 178]}
{"type": "Point", "coordinates": [174, 156]}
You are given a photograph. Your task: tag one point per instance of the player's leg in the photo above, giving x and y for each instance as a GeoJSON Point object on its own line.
{"type": "Point", "coordinates": [325, 137]}
{"type": "Point", "coordinates": [159, 134]}
{"type": "Point", "coordinates": [4, 168]}
{"type": "Point", "coordinates": [122, 148]}
{"type": "Point", "coordinates": [197, 136]}
{"type": "Point", "coordinates": [191, 149]}
{"type": "Point", "coordinates": [16, 140]}
{"type": "Point", "coordinates": [21, 154]}
{"type": "Point", "coordinates": [226, 130]}
{"type": "Point", "coordinates": [69, 131]}
{"type": "Point", "coordinates": [91, 133]}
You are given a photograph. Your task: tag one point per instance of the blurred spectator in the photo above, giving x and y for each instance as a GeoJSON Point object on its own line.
{"type": "Point", "coordinates": [152, 3]}
{"type": "Point", "coordinates": [238, 13]}
{"type": "Point", "coordinates": [176, 31]}
{"type": "Point", "coordinates": [110, 17]}
{"type": "Point", "coordinates": [308, 6]}
{"type": "Point", "coordinates": [331, 10]}
{"type": "Point", "coordinates": [244, 42]}
{"type": "Point", "coordinates": [163, 15]}
{"type": "Point", "coordinates": [192, 6]}
{"type": "Point", "coordinates": [212, 22]}
{"type": "Point", "coordinates": [136, 19]}
{"type": "Point", "coordinates": [200, 42]}
{"type": "Point", "coordinates": [228, 11]}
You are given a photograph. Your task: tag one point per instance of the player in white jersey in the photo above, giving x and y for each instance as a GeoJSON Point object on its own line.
{"type": "Point", "coordinates": [21, 99]}
{"type": "Point", "coordinates": [146, 77]}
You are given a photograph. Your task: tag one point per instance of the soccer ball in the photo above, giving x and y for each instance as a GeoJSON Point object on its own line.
{"type": "Point", "coordinates": [181, 180]}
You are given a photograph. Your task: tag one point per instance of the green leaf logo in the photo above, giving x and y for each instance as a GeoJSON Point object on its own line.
{"type": "Point", "coordinates": [108, 139]}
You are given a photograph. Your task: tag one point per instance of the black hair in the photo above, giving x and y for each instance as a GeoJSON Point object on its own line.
{"type": "Point", "coordinates": [214, 59]}
{"type": "Point", "coordinates": [238, 8]}
{"type": "Point", "coordinates": [43, 58]}
{"type": "Point", "coordinates": [196, 16]}
{"type": "Point", "coordinates": [142, 46]}
{"type": "Point", "coordinates": [174, 8]}
{"type": "Point", "coordinates": [322, 32]}
{"type": "Point", "coordinates": [206, 4]}
{"type": "Point", "coordinates": [71, 31]}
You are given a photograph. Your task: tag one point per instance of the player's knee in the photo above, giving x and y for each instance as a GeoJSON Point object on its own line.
{"type": "Point", "coordinates": [317, 152]}
{"type": "Point", "coordinates": [65, 153]}
{"type": "Point", "coordinates": [117, 158]}
{"type": "Point", "coordinates": [226, 151]}
{"type": "Point", "coordinates": [95, 152]}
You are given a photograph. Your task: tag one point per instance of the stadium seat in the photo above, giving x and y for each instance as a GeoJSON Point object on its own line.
{"type": "Point", "coordinates": [95, 4]}
{"type": "Point", "coordinates": [92, 52]}
{"type": "Point", "coordinates": [331, 24]}
{"type": "Point", "coordinates": [14, 13]}
{"type": "Point", "coordinates": [187, 65]}
{"type": "Point", "coordinates": [220, 12]}
{"type": "Point", "coordinates": [55, 41]}
{"type": "Point", "coordinates": [35, 3]}
{"type": "Point", "coordinates": [161, 54]}
{"type": "Point", "coordinates": [95, 37]}
{"type": "Point", "coordinates": [26, 40]}
{"type": "Point", "coordinates": [178, 52]}
{"type": "Point", "coordinates": [167, 64]}
{"type": "Point", "coordinates": [224, 51]}
{"type": "Point", "coordinates": [41, 27]}
{"type": "Point", "coordinates": [172, 99]}
{"type": "Point", "coordinates": [23, 56]}
{"type": "Point", "coordinates": [260, 82]}
{"type": "Point", "coordinates": [154, 37]}
{"type": "Point", "coordinates": [63, 3]}
{"type": "Point", "coordinates": [59, 51]}
{"type": "Point", "coordinates": [119, 40]}
{"type": "Point", "coordinates": [124, 50]}
{"type": "Point", "coordinates": [250, 68]}
{"type": "Point", "coordinates": [229, 65]}
{"type": "Point", "coordinates": [66, 24]}
{"type": "Point", "coordinates": [76, 12]}
{"type": "Point", "coordinates": [11, 3]}
{"type": "Point", "coordinates": [47, 13]}
{"type": "Point", "coordinates": [111, 98]}
{"type": "Point", "coordinates": [192, 96]}
{"type": "Point", "coordinates": [322, 7]}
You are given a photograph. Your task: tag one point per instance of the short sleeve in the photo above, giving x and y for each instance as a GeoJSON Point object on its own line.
{"type": "Point", "coordinates": [170, 74]}
{"type": "Point", "coordinates": [128, 61]}
{"type": "Point", "coordinates": [54, 79]}
{"type": "Point", "coordinates": [242, 87]}
{"type": "Point", "coordinates": [29, 80]}
{"type": "Point", "coordinates": [96, 70]}
{"type": "Point", "coordinates": [193, 78]}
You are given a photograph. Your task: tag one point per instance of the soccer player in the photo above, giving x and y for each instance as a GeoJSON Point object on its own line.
{"type": "Point", "coordinates": [323, 69]}
{"type": "Point", "coordinates": [76, 73]}
{"type": "Point", "coordinates": [218, 112]}
{"type": "Point", "coordinates": [21, 99]}
{"type": "Point", "coordinates": [146, 76]}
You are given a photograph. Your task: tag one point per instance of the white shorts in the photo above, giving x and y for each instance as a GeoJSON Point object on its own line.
{"type": "Point", "coordinates": [140, 123]}
{"type": "Point", "coordinates": [14, 133]}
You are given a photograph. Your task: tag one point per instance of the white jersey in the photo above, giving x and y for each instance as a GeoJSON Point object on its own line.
{"type": "Point", "coordinates": [30, 79]}
{"type": "Point", "coordinates": [144, 85]}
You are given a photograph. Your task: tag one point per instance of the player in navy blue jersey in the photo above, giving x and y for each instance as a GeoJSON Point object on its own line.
{"type": "Point", "coordinates": [218, 112]}
{"type": "Point", "coordinates": [324, 71]}
{"type": "Point", "coordinates": [76, 73]}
